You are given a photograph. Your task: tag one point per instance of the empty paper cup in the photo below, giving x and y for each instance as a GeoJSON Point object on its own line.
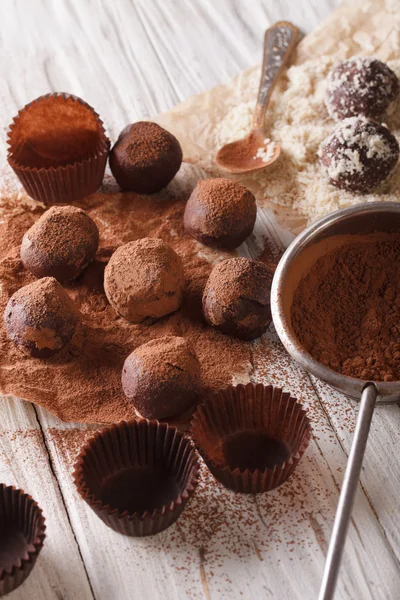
{"type": "Point", "coordinates": [137, 476]}
{"type": "Point", "coordinates": [22, 533]}
{"type": "Point", "coordinates": [251, 436]}
{"type": "Point", "coordinates": [58, 149]}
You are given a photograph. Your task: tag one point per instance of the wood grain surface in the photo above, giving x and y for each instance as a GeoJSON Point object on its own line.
{"type": "Point", "coordinates": [131, 60]}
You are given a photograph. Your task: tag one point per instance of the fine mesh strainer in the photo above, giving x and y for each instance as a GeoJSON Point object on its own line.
{"type": "Point", "coordinates": [328, 233]}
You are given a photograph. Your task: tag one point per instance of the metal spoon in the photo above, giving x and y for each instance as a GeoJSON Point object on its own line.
{"type": "Point", "coordinates": [241, 156]}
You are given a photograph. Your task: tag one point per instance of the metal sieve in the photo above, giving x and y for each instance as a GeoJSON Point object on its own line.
{"type": "Point", "coordinates": [316, 241]}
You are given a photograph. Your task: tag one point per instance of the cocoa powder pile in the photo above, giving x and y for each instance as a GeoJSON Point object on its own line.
{"type": "Point", "coordinates": [346, 310]}
{"type": "Point", "coordinates": [82, 382]}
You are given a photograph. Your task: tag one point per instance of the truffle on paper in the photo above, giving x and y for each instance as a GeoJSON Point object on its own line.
{"type": "Point", "coordinates": [60, 244]}
{"type": "Point", "coordinates": [220, 213]}
{"type": "Point", "coordinates": [144, 279]}
{"type": "Point", "coordinates": [41, 318]}
{"type": "Point", "coordinates": [359, 155]}
{"type": "Point", "coordinates": [236, 298]}
{"type": "Point", "coordinates": [145, 158]}
{"type": "Point", "coordinates": [162, 377]}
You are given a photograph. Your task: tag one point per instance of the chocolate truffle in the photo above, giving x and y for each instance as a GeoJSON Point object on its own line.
{"type": "Point", "coordinates": [220, 213]}
{"type": "Point", "coordinates": [361, 86]}
{"type": "Point", "coordinates": [41, 318]}
{"type": "Point", "coordinates": [162, 377]}
{"type": "Point", "coordinates": [359, 154]}
{"type": "Point", "coordinates": [60, 244]}
{"type": "Point", "coordinates": [145, 158]}
{"type": "Point", "coordinates": [144, 279]}
{"type": "Point", "coordinates": [236, 298]}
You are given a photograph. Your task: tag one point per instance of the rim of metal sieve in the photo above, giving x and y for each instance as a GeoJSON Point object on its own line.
{"type": "Point", "coordinates": [360, 219]}
{"type": "Point", "coordinates": [328, 233]}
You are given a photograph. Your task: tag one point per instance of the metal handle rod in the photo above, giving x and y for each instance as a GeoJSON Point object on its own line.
{"type": "Point", "coordinates": [348, 492]}
{"type": "Point", "coordinates": [279, 43]}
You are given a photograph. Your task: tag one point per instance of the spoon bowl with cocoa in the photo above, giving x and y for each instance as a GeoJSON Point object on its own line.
{"type": "Point", "coordinates": [256, 150]}
{"type": "Point", "coordinates": [336, 308]}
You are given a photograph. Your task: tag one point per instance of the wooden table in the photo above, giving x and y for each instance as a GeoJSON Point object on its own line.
{"type": "Point", "coordinates": [131, 60]}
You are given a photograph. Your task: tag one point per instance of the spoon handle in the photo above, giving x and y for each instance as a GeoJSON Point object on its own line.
{"type": "Point", "coordinates": [279, 42]}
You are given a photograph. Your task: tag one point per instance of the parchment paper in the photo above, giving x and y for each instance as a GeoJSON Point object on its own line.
{"type": "Point", "coordinates": [356, 27]}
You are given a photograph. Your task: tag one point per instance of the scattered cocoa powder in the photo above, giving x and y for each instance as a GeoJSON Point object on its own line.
{"type": "Point", "coordinates": [271, 255]}
{"type": "Point", "coordinates": [346, 310]}
{"type": "Point", "coordinates": [83, 381]}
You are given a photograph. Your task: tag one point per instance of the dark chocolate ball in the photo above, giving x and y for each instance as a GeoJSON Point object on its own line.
{"type": "Point", "coordinates": [41, 318]}
{"type": "Point", "coordinates": [60, 244]}
{"type": "Point", "coordinates": [359, 154]}
{"type": "Point", "coordinates": [145, 158]}
{"type": "Point", "coordinates": [162, 377]}
{"type": "Point", "coordinates": [236, 298]}
{"type": "Point", "coordinates": [220, 213]}
{"type": "Point", "coordinates": [144, 280]}
{"type": "Point", "coordinates": [361, 86]}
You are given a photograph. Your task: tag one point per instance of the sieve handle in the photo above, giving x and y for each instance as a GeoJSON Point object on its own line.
{"type": "Point", "coordinates": [348, 492]}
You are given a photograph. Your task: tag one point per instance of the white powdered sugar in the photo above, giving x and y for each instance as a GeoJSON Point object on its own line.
{"type": "Point", "coordinates": [298, 120]}
{"type": "Point", "coordinates": [266, 152]}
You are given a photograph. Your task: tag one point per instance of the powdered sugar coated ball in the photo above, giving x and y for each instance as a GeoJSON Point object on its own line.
{"type": "Point", "coordinates": [361, 86]}
{"type": "Point", "coordinates": [359, 154]}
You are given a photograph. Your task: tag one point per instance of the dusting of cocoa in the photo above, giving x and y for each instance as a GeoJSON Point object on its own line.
{"type": "Point", "coordinates": [82, 383]}
{"type": "Point", "coordinates": [271, 255]}
{"type": "Point", "coordinates": [346, 310]}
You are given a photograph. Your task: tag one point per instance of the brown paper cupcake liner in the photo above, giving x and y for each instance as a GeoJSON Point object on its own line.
{"type": "Point", "coordinates": [58, 149]}
{"type": "Point", "coordinates": [22, 533]}
{"type": "Point", "coordinates": [137, 476]}
{"type": "Point", "coordinates": [251, 436]}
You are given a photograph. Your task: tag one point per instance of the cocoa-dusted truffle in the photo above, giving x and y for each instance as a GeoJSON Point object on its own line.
{"type": "Point", "coordinates": [144, 279]}
{"type": "Point", "coordinates": [220, 213]}
{"type": "Point", "coordinates": [145, 158]}
{"type": "Point", "coordinates": [236, 298]}
{"type": "Point", "coordinates": [162, 377]}
{"type": "Point", "coordinates": [361, 86]}
{"type": "Point", "coordinates": [60, 244]}
{"type": "Point", "coordinates": [359, 154]}
{"type": "Point", "coordinates": [41, 318]}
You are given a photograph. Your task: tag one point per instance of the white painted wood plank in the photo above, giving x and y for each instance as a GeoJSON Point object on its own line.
{"type": "Point", "coordinates": [203, 44]}
{"type": "Point", "coordinates": [59, 571]}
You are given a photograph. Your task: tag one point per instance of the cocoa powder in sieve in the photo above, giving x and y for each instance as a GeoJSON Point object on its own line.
{"type": "Point", "coordinates": [346, 310]}
{"type": "Point", "coordinates": [82, 382]}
